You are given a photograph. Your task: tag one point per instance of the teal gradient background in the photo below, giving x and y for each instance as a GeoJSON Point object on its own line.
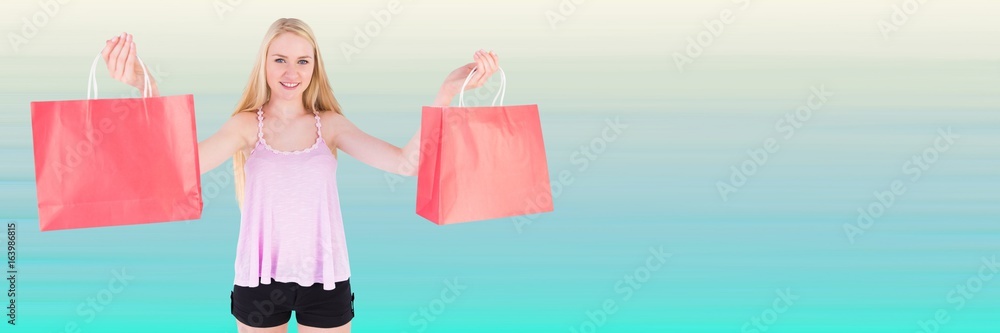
{"type": "Point", "coordinates": [653, 185]}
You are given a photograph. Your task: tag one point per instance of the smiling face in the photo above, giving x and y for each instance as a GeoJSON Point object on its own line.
{"type": "Point", "coordinates": [289, 66]}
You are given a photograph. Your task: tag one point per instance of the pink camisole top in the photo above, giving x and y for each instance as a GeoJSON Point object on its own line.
{"type": "Point", "coordinates": [291, 228]}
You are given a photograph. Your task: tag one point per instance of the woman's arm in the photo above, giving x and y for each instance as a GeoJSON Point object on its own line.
{"type": "Point", "coordinates": [378, 153]}
{"type": "Point", "coordinates": [219, 147]}
{"type": "Point", "coordinates": [403, 161]}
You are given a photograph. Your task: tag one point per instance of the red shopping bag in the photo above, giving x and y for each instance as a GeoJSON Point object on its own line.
{"type": "Point", "coordinates": [479, 163]}
{"type": "Point", "coordinates": [121, 161]}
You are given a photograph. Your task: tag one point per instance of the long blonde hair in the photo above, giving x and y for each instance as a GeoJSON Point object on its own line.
{"type": "Point", "coordinates": [318, 95]}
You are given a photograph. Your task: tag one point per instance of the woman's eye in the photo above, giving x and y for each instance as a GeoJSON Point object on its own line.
{"type": "Point", "coordinates": [279, 60]}
{"type": "Point", "coordinates": [303, 62]}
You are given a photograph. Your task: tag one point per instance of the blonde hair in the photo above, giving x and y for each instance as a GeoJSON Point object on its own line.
{"type": "Point", "coordinates": [318, 95]}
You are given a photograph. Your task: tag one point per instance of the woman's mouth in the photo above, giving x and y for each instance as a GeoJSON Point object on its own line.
{"type": "Point", "coordinates": [290, 85]}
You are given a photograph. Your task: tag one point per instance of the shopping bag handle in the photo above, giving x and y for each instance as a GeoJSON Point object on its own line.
{"type": "Point", "coordinates": [503, 88]}
{"type": "Point", "coordinates": [93, 78]}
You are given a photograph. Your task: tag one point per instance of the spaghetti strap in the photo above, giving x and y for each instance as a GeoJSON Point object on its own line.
{"type": "Point", "coordinates": [260, 129]}
{"type": "Point", "coordinates": [260, 123]}
{"type": "Point", "coordinates": [319, 129]}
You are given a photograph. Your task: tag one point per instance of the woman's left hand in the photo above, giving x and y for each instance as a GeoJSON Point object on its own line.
{"type": "Point", "coordinates": [485, 65]}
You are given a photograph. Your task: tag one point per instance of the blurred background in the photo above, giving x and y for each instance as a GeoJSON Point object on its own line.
{"type": "Point", "coordinates": [717, 166]}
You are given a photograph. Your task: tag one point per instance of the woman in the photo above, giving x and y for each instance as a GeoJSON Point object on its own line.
{"type": "Point", "coordinates": [283, 136]}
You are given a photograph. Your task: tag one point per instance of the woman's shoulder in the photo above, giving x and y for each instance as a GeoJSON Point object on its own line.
{"type": "Point", "coordinates": [246, 123]}
{"type": "Point", "coordinates": [333, 124]}
{"type": "Point", "coordinates": [330, 117]}
{"type": "Point", "coordinates": [245, 119]}
{"type": "Point", "coordinates": [328, 113]}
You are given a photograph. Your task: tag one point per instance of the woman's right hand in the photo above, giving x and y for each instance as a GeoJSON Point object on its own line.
{"type": "Point", "coordinates": [120, 56]}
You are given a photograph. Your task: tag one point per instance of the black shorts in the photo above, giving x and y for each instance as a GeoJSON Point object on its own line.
{"type": "Point", "coordinates": [269, 305]}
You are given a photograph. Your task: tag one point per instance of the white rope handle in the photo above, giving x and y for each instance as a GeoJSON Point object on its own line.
{"type": "Point", "coordinates": [503, 88]}
{"type": "Point", "coordinates": [92, 83]}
